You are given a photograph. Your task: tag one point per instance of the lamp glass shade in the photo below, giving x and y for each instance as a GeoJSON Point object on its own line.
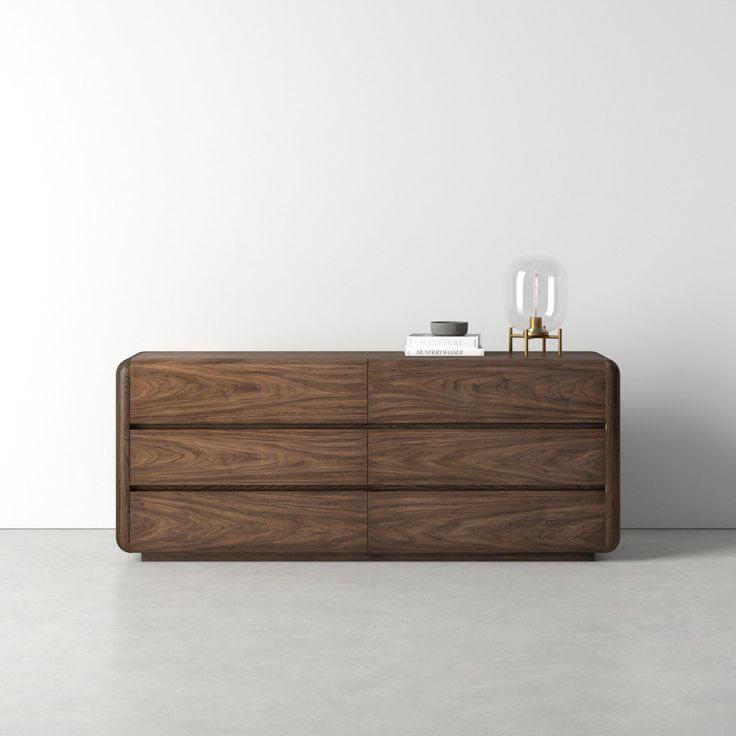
{"type": "Point", "coordinates": [536, 287]}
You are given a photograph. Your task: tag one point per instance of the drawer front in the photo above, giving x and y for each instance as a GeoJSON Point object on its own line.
{"type": "Point", "coordinates": [468, 390]}
{"type": "Point", "coordinates": [295, 457]}
{"type": "Point", "coordinates": [262, 523]}
{"type": "Point", "coordinates": [202, 391]}
{"type": "Point", "coordinates": [485, 522]}
{"type": "Point", "coordinates": [486, 457]}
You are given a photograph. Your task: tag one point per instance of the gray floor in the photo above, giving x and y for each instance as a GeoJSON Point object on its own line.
{"type": "Point", "coordinates": [96, 642]}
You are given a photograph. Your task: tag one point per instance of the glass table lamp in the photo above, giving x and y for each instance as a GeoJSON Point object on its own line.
{"type": "Point", "coordinates": [536, 301]}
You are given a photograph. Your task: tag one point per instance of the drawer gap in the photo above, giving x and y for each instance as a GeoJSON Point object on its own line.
{"type": "Point", "coordinates": [374, 425]}
{"type": "Point", "coordinates": [261, 425]}
{"type": "Point", "coordinates": [487, 425]}
{"type": "Point", "coordinates": [486, 487]}
{"type": "Point", "coordinates": [177, 487]}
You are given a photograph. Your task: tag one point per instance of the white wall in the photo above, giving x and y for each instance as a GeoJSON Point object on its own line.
{"type": "Point", "coordinates": [200, 175]}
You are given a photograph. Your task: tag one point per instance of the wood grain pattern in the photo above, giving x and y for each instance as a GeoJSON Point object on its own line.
{"type": "Point", "coordinates": [613, 476]}
{"type": "Point", "coordinates": [486, 457]}
{"type": "Point", "coordinates": [262, 523]}
{"type": "Point", "coordinates": [268, 455]}
{"type": "Point", "coordinates": [204, 390]}
{"type": "Point", "coordinates": [297, 457]}
{"type": "Point", "coordinates": [408, 523]}
{"type": "Point", "coordinates": [478, 390]}
{"type": "Point", "coordinates": [122, 455]}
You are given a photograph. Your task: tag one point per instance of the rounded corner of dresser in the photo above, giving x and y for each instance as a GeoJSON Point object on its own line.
{"type": "Point", "coordinates": [121, 540]}
{"type": "Point", "coordinates": [613, 543]}
{"type": "Point", "coordinates": [122, 370]}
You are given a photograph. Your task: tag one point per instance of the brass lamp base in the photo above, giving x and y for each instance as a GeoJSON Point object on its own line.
{"type": "Point", "coordinates": [536, 331]}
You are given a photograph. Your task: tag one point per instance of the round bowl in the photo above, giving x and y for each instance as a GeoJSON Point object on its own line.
{"type": "Point", "coordinates": [449, 329]}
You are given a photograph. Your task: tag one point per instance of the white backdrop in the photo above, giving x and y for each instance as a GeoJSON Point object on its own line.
{"type": "Point", "coordinates": [222, 175]}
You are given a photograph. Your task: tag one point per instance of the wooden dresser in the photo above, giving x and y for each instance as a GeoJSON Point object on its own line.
{"type": "Point", "coordinates": [367, 456]}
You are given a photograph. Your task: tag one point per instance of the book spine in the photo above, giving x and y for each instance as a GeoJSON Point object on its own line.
{"type": "Point", "coordinates": [443, 352]}
{"type": "Point", "coordinates": [444, 342]}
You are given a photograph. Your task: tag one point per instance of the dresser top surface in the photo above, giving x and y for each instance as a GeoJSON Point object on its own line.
{"type": "Point", "coordinates": [335, 355]}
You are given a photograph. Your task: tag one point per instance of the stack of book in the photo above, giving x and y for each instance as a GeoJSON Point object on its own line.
{"type": "Point", "coordinates": [433, 345]}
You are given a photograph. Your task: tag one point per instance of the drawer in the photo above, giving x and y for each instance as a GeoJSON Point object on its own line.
{"type": "Point", "coordinates": [280, 457]}
{"type": "Point", "coordinates": [472, 390]}
{"type": "Point", "coordinates": [259, 523]}
{"type": "Point", "coordinates": [486, 457]}
{"type": "Point", "coordinates": [204, 390]}
{"type": "Point", "coordinates": [485, 522]}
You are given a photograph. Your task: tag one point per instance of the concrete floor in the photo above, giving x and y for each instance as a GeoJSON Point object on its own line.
{"type": "Point", "coordinates": [96, 642]}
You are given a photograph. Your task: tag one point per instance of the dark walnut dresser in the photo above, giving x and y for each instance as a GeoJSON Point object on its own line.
{"type": "Point", "coordinates": [367, 456]}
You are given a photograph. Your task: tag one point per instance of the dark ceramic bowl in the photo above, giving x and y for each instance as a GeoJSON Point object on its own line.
{"type": "Point", "coordinates": [449, 329]}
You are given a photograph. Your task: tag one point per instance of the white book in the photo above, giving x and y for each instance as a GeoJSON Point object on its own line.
{"type": "Point", "coordinates": [447, 352]}
{"type": "Point", "coordinates": [421, 340]}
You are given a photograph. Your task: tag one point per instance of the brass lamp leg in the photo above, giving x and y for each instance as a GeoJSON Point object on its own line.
{"type": "Point", "coordinates": [511, 339]}
{"type": "Point", "coordinates": [544, 343]}
{"type": "Point", "coordinates": [526, 343]}
{"type": "Point", "coordinates": [559, 341]}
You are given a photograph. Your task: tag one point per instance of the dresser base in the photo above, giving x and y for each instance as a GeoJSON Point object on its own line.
{"type": "Point", "coordinates": [205, 557]}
